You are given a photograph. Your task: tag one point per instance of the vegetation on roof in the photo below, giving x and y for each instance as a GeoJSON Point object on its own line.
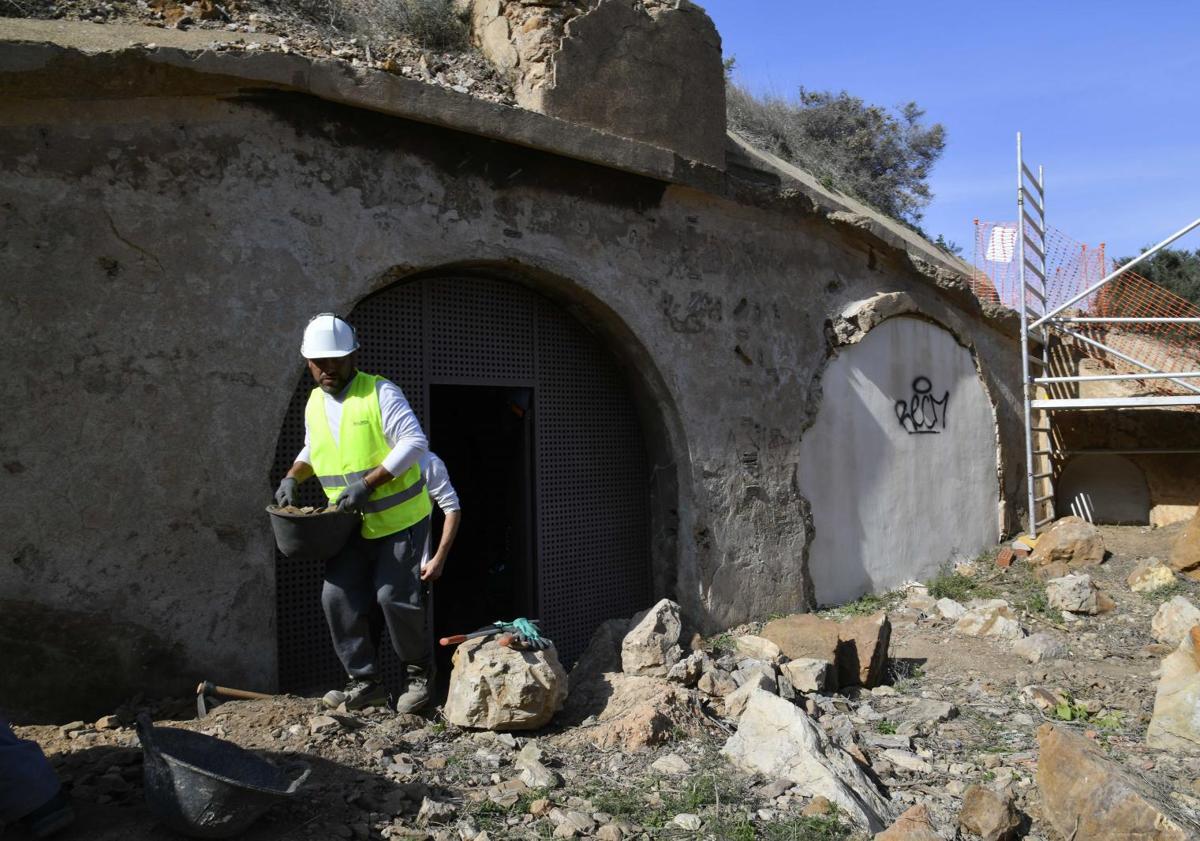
{"type": "Point", "coordinates": [882, 157]}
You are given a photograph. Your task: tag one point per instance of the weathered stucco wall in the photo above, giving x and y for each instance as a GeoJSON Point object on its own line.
{"type": "Point", "coordinates": [160, 255]}
{"type": "Point", "coordinates": [900, 465]}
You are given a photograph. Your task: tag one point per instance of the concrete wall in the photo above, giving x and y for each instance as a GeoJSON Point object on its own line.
{"type": "Point", "coordinates": [162, 253]}
{"type": "Point", "coordinates": [1104, 489]}
{"type": "Point", "coordinates": [1171, 476]}
{"type": "Point", "coordinates": [900, 466]}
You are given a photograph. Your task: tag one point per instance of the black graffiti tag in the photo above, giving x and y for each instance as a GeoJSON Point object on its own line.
{"type": "Point", "coordinates": [922, 413]}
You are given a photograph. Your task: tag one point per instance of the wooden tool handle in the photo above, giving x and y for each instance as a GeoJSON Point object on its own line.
{"type": "Point", "coordinates": [207, 688]}
{"type": "Point", "coordinates": [241, 693]}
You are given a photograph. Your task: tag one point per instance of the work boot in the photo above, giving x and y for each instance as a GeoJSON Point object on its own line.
{"type": "Point", "coordinates": [416, 692]}
{"type": "Point", "coordinates": [359, 693]}
{"type": "Point", "coordinates": [53, 815]}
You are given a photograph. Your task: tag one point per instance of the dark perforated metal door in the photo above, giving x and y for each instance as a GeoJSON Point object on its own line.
{"type": "Point", "coordinates": [591, 489]}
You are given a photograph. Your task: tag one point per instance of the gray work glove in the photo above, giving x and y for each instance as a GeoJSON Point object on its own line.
{"type": "Point", "coordinates": [285, 494]}
{"type": "Point", "coordinates": [354, 497]}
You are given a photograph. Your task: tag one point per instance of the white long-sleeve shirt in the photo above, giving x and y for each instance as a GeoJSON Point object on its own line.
{"type": "Point", "coordinates": [400, 427]}
{"type": "Point", "coordinates": [437, 481]}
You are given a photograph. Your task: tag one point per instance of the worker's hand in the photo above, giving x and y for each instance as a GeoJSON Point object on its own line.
{"type": "Point", "coordinates": [432, 571]}
{"type": "Point", "coordinates": [354, 497]}
{"type": "Point", "coordinates": [285, 494]}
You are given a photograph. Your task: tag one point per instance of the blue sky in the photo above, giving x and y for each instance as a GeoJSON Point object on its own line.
{"type": "Point", "coordinates": [1105, 93]}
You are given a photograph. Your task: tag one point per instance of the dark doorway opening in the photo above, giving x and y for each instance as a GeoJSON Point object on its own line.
{"type": "Point", "coordinates": [484, 434]}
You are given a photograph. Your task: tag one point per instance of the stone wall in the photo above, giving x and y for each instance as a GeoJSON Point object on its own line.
{"type": "Point", "coordinates": [164, 244]}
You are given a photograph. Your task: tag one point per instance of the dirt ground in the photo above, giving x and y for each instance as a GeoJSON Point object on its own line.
{"type": "Point", "coordinates": [371, 773]}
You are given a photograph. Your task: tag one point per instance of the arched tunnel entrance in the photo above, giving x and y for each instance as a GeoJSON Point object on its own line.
{"type": "Point", "coordinates": [539, 430]}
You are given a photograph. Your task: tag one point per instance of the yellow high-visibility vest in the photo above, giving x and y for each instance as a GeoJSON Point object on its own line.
{"type": "Point", "coordinates": [360, 448]}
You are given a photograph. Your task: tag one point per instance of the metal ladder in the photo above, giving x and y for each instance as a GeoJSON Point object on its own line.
{"type": "Point", "coordinates": [1041, 322]}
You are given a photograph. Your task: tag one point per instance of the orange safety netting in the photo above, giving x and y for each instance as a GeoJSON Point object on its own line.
{"type": "Point", "coordinates": [1072, 267]}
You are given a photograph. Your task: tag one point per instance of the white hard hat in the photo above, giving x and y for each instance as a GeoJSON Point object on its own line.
{"type": "Point", "coordinates": [328, 336]}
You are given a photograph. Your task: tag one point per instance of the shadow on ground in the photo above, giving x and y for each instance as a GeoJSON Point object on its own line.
{"type": "Point", "coordinates": [125, 816]}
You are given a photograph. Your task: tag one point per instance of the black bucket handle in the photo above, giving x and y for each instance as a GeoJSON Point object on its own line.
{"type": "Point", "coordinates": [287, 770]}
{"type": "Point", "coordinates": [145, 731]}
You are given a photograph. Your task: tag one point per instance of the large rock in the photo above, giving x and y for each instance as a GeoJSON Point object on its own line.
{"type": "Point", "coordinates": [1087, 796]}
{"type": "Point", "coordinates": [1040, 646]}
{"type": "Point", "coordinates": [498, 688]}
{"type": "Point", "coordinates": [756, 648]}
{"type": "Point", "coordinates": [1075, 593]}
{"type": "Point", "coordinates": [805, 636]}
{"type": "Point", "coordinates": [807, 674]}
{"type": "Point", "coordinates": [915, 824]}
{"type": "Point", "coordinates": [1149, 575]}
{"type": "Point", "coordinates": [777, 739]}
{"type": "Point", "coordinates": [1071, 540]}
{"type": "Point", "coordinates": [631, 713]}
{"type": "Point", "coordinates": [1185, 554]}
{"type": "Point", "coordinates": [651, 647]}
{"type": "Point", "coordinates": [736, 701]}
{"type": "Point", "coordinates": [1175, 724]}
{"type": "Point", "coordinates": [863, 661]}
{"type": "Point", "coordinates": [949, 609]}
{"type": "Point", "coordinates": [1173, 620]}
{"type": "Point", "coordinates": [857, 650]}
{"type": "Point", "coordinates": [989, 618]}
{"type": "Point", "coordinates": [989, 814]}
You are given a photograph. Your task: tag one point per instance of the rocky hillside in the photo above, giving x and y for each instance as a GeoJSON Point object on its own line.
{"type": "Point", "coordinates": [1011, 697]}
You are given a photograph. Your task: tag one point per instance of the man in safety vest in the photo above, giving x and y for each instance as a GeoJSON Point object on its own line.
{"type": "Point", "coordinates": [365, 446]}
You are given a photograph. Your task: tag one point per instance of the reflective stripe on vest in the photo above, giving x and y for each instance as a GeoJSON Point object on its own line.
{"type": "Point", "coordinates": [361, 446]}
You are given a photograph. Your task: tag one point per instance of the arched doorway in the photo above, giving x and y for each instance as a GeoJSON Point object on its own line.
{"type": "Point", "coordinates": [1103, 488]}
{"type": "Point", "coordinates": [900, 466]}
{"type": "Point", "coordinates": [538, 428]}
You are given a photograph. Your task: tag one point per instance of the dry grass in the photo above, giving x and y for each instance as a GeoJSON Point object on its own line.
{"type": "Point", "coordinates": [434, 24]}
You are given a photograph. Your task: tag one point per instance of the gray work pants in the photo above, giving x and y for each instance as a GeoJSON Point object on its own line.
{"type": "Point", "coordinates": [373, 577]}
{"type": "Point", "coordinates": [26, 779]}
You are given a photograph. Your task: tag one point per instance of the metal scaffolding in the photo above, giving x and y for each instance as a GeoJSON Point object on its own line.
{"type": "Point", "coordinates": [1042, 320]}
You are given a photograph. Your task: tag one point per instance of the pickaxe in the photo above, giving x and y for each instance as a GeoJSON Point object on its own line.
{"type": "Point", "coordinates": [208, 695]}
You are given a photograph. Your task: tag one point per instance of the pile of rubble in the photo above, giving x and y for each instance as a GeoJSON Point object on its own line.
{"type": "Point", "coordinates": [993, 702]}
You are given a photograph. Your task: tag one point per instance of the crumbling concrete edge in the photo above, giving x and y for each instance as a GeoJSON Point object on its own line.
{"type": "Point", "coordinates": [948, 273]}
{"type": "Point", "coordinates": [376, 90]}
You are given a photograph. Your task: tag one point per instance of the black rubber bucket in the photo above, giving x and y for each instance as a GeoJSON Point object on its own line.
{"type": "Point", "coordinates": [312, 537]}
{"type": "Point", "coordinates": [205, 787]}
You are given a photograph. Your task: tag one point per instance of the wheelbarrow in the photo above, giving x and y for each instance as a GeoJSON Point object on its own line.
{"type": "Point", "coordinates": [205, 787]}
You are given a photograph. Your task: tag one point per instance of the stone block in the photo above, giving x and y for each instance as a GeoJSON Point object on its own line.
{"type": "Point", "coordinates": [1072, 540]}
{"type": "Point", "coordinates": [1175, 725]}
{"type": "Point", "coordinates": [497, 688]}
{"type": "Point", "coordinates": [656, 77]}
{"type": "Point", "coordinates": [1185, 553]}
{"type": "Point", "coordinates": [1086, 795]}
{"type": "Point", "coordinates": [1149, 575]}
{"type": "Point", "coordinates": [651, 647]}
{"type": "Point", "coordinates": [807, 674]}
{"type": "Point", "coordinates": [1173, 620]}
{"type": "Point", "coordinates": [777, 739]}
